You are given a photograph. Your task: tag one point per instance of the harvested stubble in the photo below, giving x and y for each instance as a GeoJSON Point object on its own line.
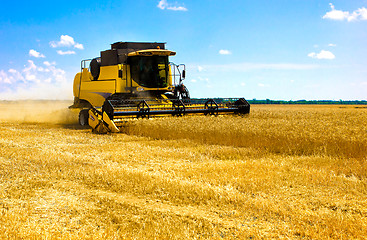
{"type": "Point", "coordinates": [281, 172]}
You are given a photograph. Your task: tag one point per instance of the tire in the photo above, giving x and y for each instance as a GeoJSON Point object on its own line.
{"type": "Point", "coordinates": [83, 117]}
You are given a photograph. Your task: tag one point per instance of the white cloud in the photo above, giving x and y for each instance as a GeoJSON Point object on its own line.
{"type": "Point", "coordinates": [224, 52]}
{"type": "Point", "coordinates": [66, 41]}
{"type": "Point", "coordinates": [34, 53]}
{"type": "Point", "coordinates": [35, 82]}
{"type": "Point", "coordinates": [35, 73]}
{"type": "Point", "coordinates": [332, 45]}
{"type": "Point", "coordinates": [177, 8]}
{"type": "Point", "coordinates": [4, 78]}
{"type": "Point", "coordinates": [30, 77]}
{"type": "Point", "coordinates": [200, 68]}
{"type": "Point", "coordinates": [31, 66]}
{"type": "Point", "coordinates": [41, 69]}
{"type": "Point", "coordinates": [29, 72]}
{"type": "Point", "coordinates": [163, 4]}
{"type": "Point", "coordinates": [335, 14]}
{"type": "Point", "coordinates": [359, 14]}
{"type": "Point", "coordinates": [10, 77]}
{"type": "Point", "coordinates": [243, 84]}
{"type": "Point", "coordinates": [322, 55]}
{"type": "Point", "coordinates": [60, 52]}
{"type": "Point", "coordinates": [363, 13]}
{"type": "Point", "coordinates": [47, 63]}
{"type": "Point", "coordinates": [193, 80]}
{"type": "Point", "coordinates": [45, 90]}
{"type": "Point", "coordinates": [79, 46]}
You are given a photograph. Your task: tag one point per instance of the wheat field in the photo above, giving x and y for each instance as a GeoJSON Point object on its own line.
{"type": "Point", "coordinates": [284, 172]}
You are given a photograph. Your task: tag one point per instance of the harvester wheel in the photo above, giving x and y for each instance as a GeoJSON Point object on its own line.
{"type": "Point", "coordinates": [83, 117]}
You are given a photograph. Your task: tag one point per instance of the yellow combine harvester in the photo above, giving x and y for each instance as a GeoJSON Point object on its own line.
{"type": "Point", "coordinates": [135, 79]}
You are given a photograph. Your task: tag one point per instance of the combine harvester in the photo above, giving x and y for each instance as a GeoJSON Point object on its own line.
{"type": "Point", "coordinates": [135, 79]}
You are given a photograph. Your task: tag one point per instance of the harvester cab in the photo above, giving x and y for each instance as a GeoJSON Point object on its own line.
{"type": "Point", "coordinates": [136, 79]}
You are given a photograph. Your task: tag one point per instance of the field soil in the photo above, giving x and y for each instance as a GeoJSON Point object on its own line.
{"type": "Point", "coordinates": [284, 171]}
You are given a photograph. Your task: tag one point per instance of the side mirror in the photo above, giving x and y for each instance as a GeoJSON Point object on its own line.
{"type": "Point", "coordinates": [183, 74]}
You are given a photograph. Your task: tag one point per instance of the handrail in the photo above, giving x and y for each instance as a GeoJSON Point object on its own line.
{"type": "Point", "coordinates": [176, 67]}
{"type": "Point", "coordinates": [83, 63]}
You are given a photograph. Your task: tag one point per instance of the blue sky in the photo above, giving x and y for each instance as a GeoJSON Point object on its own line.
{"type": "Point", "coordinates": [285, 49]}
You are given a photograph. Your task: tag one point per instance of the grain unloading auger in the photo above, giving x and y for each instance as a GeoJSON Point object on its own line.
{"type": "Point", "coordinates": [133, 80]}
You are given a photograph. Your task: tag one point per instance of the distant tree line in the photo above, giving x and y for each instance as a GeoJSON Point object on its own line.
{"type": "Point", "coordinates": [268, 101]}
{"type": "Point", "coordinates": [343, 102]}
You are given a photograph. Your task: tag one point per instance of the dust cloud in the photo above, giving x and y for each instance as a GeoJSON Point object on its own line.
{"type": "Point", "coordinates": [53, 112]}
